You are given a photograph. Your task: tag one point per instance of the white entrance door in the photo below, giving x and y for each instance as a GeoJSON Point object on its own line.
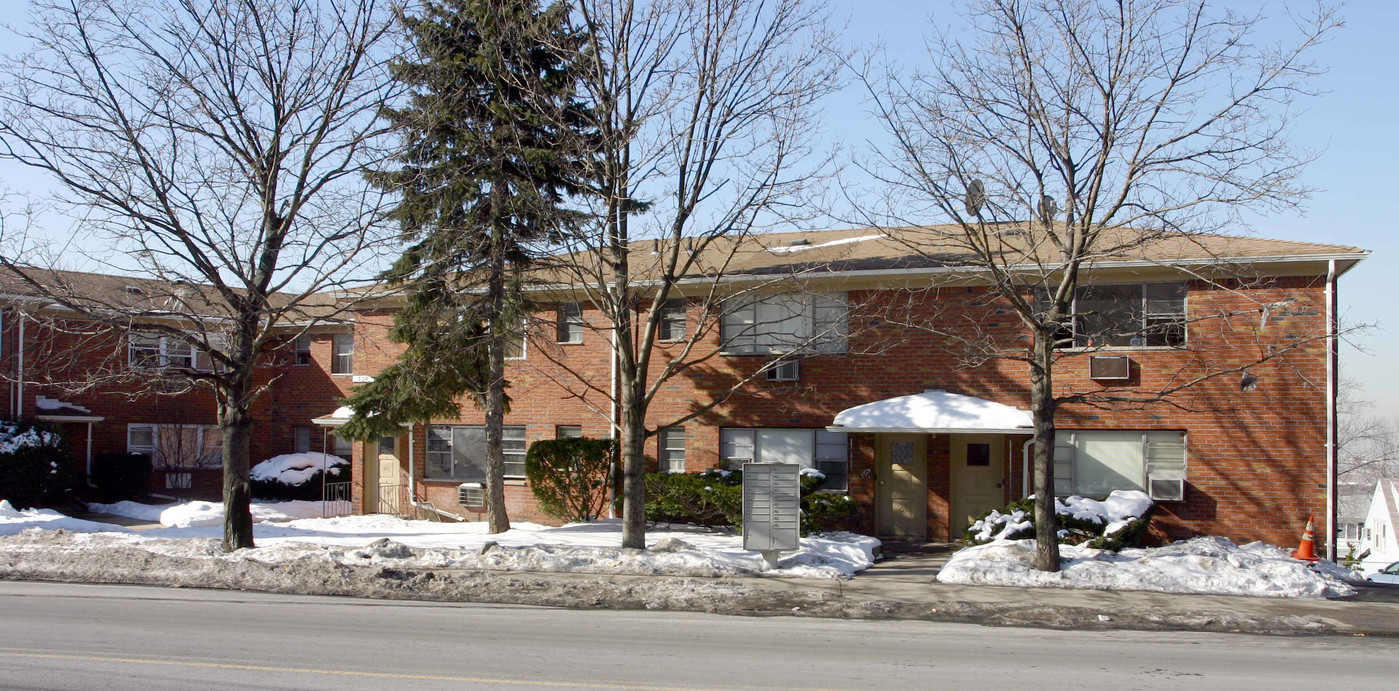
{"type": "Point", "coordinates": [978, 464]}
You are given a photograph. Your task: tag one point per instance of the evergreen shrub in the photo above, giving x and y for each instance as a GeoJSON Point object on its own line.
{"type": "Point", "coordinates": [35, 465]}
{"type": "Point", "coordinates": [569, 476]}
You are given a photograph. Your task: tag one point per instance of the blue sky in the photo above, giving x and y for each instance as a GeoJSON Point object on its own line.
{"type": "Point", "coordinates": [1357, 175]}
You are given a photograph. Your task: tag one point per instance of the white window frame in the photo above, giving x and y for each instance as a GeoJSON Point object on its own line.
{"type": "Point", "coordinates": [513, 444]}
{"type": "Point", "coordinates": [212, 459]}
{"type": "Point", "coordinates": [342, 361]}
{"type": "Point", "coordinates": [829, 451]}
{"type": "Point", "coordinates": [1163, 454]}
{"type": "Point", "coordinates": [569, 323]}
{"type": "Point", "coordinates": [670, 449]}
{"type": "Point", "coordinates": [568, 431]}
{"type": "Point", "coordinates": [163, 350]}
{"type": "Point", "coordinates": [301, 350]}
{"type": "Point", "coordinates": [674, 317]}
{"type": "Point", "coordinates": [1073, 329]}
{"type": "Point", "coordinates": [783, 323]}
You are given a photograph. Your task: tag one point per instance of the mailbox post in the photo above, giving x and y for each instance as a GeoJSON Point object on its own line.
{"type": "Point", "coordinates": [771, 509]}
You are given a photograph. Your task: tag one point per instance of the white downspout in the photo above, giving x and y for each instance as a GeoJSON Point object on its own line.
{"type": "Point", "coordinates": [1331, 410]}
{"type": "Point", "coordinates": [612, 430]}
{"type": "Point", "coordinates": [19, 409]}
{"type": "Point", "coordinates": [1025, 467]}
{"type": "Point", "coordinates": [89, 455]}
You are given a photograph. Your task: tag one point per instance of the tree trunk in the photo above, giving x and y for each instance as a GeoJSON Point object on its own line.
{"type": "Point", "coordinates": [497, 519]}
{"type": "Point", "coordinates": [633, 448]}
{"type": "Point", "coordinates": [1042, 407]}
{"type": "Point", "coordinates": [236, 423]}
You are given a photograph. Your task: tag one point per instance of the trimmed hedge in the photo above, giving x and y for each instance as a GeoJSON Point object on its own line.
{"type": "Point", "coordinates": [121, 476]}
{"type": "Point", "coordinates": [35, 465]}
{"type": "Point", "coordinates": [714, 499]}
{"type": "Point", "coordinates": [569, 476]}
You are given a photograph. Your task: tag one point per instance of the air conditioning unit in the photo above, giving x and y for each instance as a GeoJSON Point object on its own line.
{"type": "Point", "coordinates": [471, 495]}
{"type": "Point", "coordinates": [1166, 488]}
{"type": "Point", "coordinates": [786, 370]}
{"type": "Point", "coordinates": [1110, 368]}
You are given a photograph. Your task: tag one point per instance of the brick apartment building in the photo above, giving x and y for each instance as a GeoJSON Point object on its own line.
{"type": "Point", "coordinates": [918, 432]}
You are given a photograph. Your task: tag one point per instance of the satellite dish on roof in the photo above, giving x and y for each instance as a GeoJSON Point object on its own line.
{"type": "Point", "coordinates": [976, 197]}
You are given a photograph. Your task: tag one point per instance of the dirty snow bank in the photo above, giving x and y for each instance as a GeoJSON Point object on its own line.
{"type": "Point", "coordinates": [295, 469]}
{"type": "Point", "coordinates": [1203, 565]}
{"type": "Point", "coordinates": [13, 521]}
{"type": "Point", "coordinates": [379, 540]}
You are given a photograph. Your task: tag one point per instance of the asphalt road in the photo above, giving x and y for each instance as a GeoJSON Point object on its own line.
{"type": "Point", "coordinates": [55, 636]}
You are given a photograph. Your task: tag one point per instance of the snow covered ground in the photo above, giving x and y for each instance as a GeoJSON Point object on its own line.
{"type": "Point", "coordinates": [1203, 565]}
{"type": "Point", "coordinates": [379, 540]}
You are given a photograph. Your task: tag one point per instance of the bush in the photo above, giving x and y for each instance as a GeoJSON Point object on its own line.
{"type": "Point", "coordinates": [35, 466]}
{"type": "Point", "coordinates": [121, 476]}
{"type": "Point", "coordinates": [569, 476]}
{"type": "Point", "coordinates": [1081, 521]}
{"type": "Point", "coordinates": [714, 499]}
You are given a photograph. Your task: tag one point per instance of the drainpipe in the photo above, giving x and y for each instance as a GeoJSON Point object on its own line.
{"type": "Point", "coordinates": [1025, 467]}
{"type": "Point", "coordinates": [1331, 410]}
{"type": "Point", "coordinates": [612, 429]}
{"type": "Point", "coordinates": [89, 456]}
{"type": "Point", "coordinates": [20, 377]}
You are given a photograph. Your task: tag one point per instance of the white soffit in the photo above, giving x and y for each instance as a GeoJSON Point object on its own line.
{"type": "Point", "coordinates": [934, 410]}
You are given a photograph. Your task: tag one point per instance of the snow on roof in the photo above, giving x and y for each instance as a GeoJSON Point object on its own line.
{"type": "Point", "coordinates": [790, 249]}
{"type": "Point", "coordinates": [933, 410]}
{"type": "Point", "coordinates": [339, 417]}
{"type": "Point", "coordinates": [53, 407]}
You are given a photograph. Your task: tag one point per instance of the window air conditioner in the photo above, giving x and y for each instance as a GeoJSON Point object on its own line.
{"type": "Point", "coordinates": [786, 370]}
{"type": "Point", "coordinates": [1166, 488]}
{"type": "Point", "coordinates": [471, 495]}
{"type": "Point", "coordinates": [1113, 368]}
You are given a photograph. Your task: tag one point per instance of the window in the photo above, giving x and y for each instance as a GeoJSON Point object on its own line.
{"type": "Point", "coordinates": [342, 355]}
{"type": "Point", "coordinates": [343, 448]}
{"type": "Point", "coordinates": [978, 454]}
{"type": "Point", "coordinates": [301, 439]}
{"type": "Point", "coordinates": [1131, 314]}
{"type": "Point", "coordinates": [303, 350]}
{"type": "Point", "coordinates": [459, 452]}
{"type": "Point", "coordinates": [671, 450]}
{"type": "Point", "coordinates": [570, 323]}
{"type": "Point", "coordinates": [515, 345]}
{"type": "Point", "coordinates": [1094, 463]}
{"type": "Point", "coordinates": [787, 323]}
{"type": "Point", "coordinates": [568, 432]}
{"type": "Point", "coordinates": [673, 327]}
{"type": "Point", "coordinates": [150, 351]}
{"type": "Point", "coordinates": [177, 446]}
{"type": "Point", "coordinates": [819, 449]}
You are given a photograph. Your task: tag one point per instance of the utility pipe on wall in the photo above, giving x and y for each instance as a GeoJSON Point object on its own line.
{"type": "Point", "coordinates": [1331, 410]}
{"type": "Point", "coordinates": [19, 410]}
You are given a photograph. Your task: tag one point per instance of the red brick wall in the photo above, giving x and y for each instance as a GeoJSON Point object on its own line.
{"type": "Point", "coordinates": [1256, 459]}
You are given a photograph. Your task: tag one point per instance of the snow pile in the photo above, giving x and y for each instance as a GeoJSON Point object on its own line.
{"type": "Point", "coordinates": [1114, 514]}
{"type": "Point", "coordinates": [200, 514]}
{"type": "Point", "coordinates": [12, 439]}
{"type": "Point", "coordinates": [13, 521]}
{"type": "Point", "coordinates": [296, 468]}
{"type": "Point", "coordinates": [1203, 565]}
{"type": "Point", "coordinates": [131, 509]}
{"type": "Point", "coordinates": [1001, 524]}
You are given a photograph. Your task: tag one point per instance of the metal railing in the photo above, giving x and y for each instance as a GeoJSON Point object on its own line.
{"type": "Point", "coordinates": [335, 499]}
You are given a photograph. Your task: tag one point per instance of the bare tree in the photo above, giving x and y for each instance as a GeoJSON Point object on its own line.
{"type": "Point", "coordinates": [704, 113]}
{"type": "Point", "coordinates": [1367, 444]}
{"type": "Point", "coordinates": [212, 151]}
{"type": "Point", "coordinates": [1118, 128]}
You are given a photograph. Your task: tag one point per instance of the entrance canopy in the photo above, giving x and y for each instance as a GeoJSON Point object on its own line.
{"type": "Point", "coordinates": [933, 411]}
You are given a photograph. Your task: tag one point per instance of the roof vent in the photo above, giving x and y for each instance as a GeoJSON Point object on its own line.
{"type": "Point", "coordinates": [799, 242]}
{"type": "Point", "coordinates": [134, 290]}
{"type": "Point", "coordinates": [1014, 231]}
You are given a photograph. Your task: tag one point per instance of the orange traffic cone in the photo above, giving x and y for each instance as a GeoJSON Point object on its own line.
{"type": "Point", "coordinates": [1307, 550]}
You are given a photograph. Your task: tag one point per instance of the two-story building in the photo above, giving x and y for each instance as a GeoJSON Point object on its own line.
{"type": "Point", "coordinates": [1222, 345]}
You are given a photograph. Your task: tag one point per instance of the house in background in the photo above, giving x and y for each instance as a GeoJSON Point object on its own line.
{"type": "Point", "coordinates": [1377, 534]}
{"type": "Point", "coordinates": [922, 437]}
{"type": "Point", "coordinates": [133, 407]}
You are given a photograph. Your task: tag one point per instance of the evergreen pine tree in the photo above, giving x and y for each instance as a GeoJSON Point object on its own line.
{"type": "Point", "coordinates": [491, 147]}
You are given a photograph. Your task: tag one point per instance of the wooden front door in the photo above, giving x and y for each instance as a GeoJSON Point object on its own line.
{"type": "Point", "coordinates": [388, 484]}
{"type": "Point", "coordinates": [901, 471]}
{"type": "Point", "coordinates": [978, 464]}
